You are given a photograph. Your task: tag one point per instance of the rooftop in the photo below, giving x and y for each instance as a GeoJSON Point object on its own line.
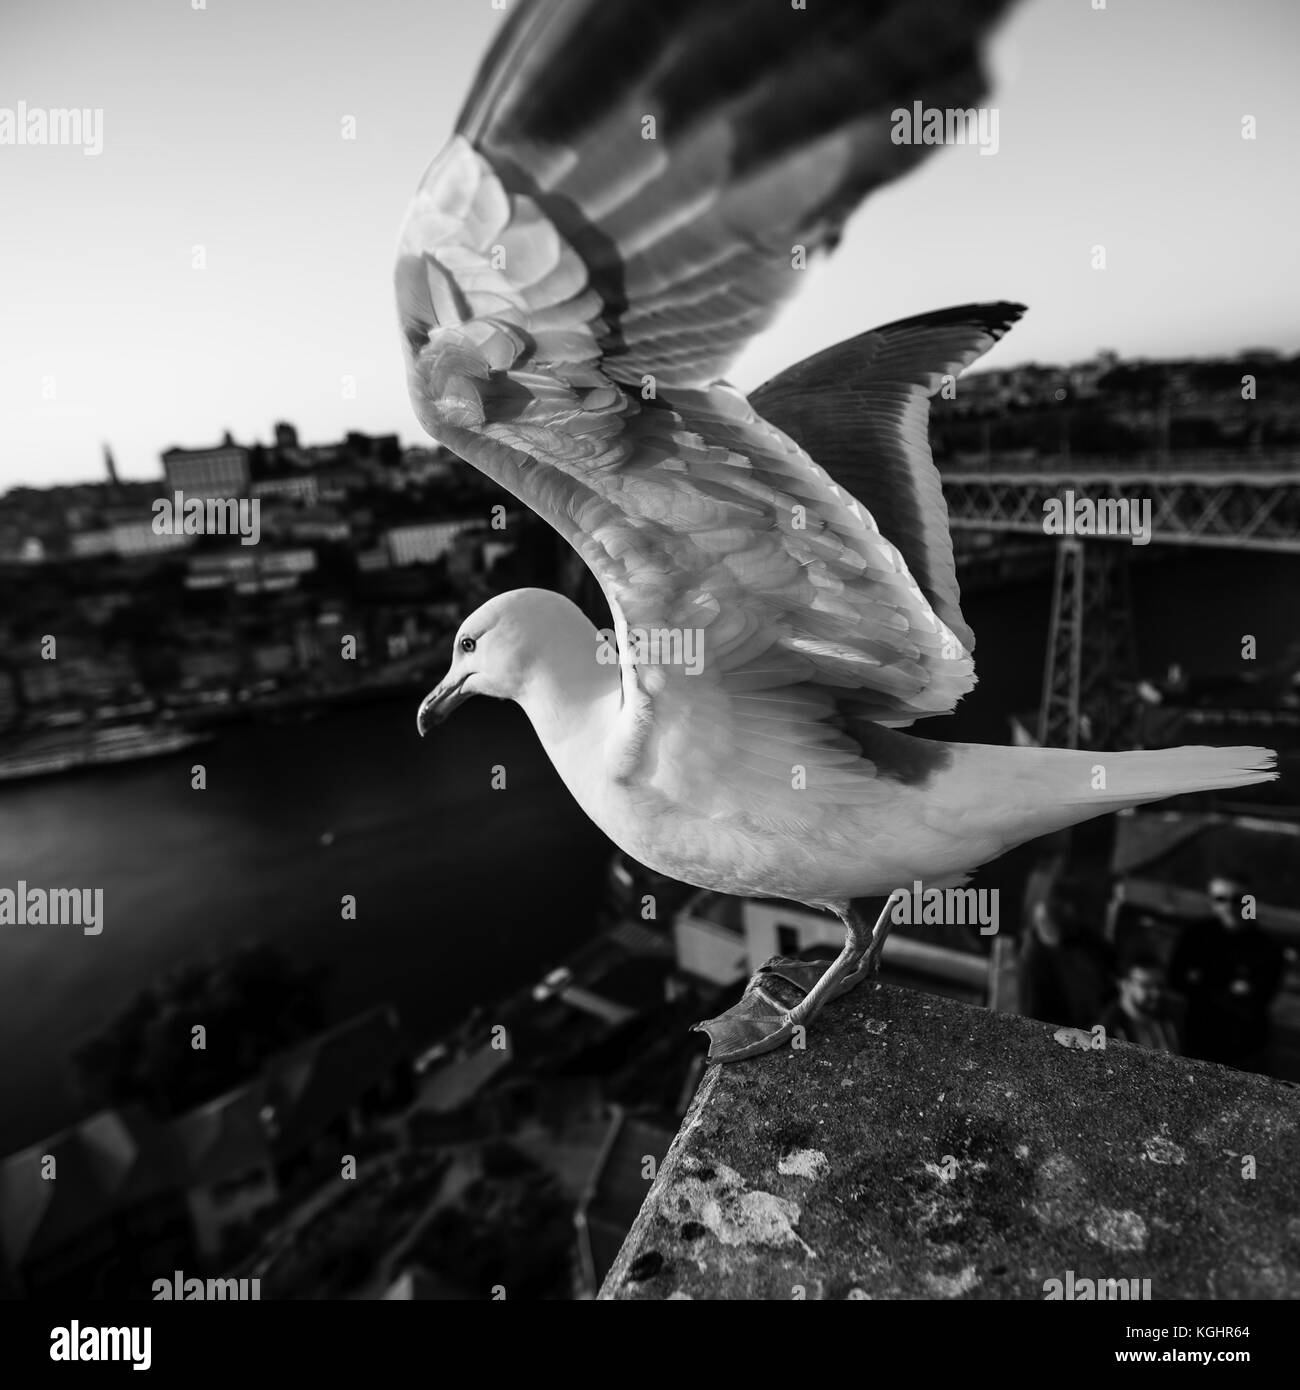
{"type": "Point", "coordinates": [117, 1158]}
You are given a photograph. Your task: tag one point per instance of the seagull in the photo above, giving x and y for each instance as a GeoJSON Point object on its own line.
{"type": "Point", "coordinates": [630, 194]}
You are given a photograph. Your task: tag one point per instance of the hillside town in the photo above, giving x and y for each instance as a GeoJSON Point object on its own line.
{"type": "Point", "coordinates": [126, 631]}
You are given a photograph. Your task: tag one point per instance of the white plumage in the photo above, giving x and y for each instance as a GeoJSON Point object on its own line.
{"type": "Point", "coordinates": [571, 294]}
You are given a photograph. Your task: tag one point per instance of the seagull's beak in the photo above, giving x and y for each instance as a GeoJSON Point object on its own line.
{"type": "Point", "coordinates": [440, 701]}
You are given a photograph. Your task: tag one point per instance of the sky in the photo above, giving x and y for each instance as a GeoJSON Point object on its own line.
{"type": "Point", "coordinates": [223, 129]}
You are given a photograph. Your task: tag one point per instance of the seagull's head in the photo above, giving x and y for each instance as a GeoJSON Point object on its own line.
{"type": "Point", "coordinates": [501, 646]}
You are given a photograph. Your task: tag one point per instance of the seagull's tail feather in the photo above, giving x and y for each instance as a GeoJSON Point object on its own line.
{"type": "Point", "coordinates": [1150, 774]}
{"type": "Point", "coordinates": [1052, 788]}
{"type": "Point", "coordinates": [861, 410]}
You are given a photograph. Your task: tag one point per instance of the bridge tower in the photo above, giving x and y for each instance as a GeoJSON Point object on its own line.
{"type": "Point", "coordinates": [1090, 668]}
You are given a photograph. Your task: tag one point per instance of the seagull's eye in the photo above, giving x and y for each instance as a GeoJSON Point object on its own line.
{"type": "Point", "coordinates": [467, 644]}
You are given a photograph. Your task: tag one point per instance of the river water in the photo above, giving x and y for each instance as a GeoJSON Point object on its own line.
{"type": "Point", "coordinates": [463, 892]}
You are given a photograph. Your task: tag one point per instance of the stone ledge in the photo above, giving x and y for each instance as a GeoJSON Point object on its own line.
{"type": "Point", "coordinates": [921, 1148]}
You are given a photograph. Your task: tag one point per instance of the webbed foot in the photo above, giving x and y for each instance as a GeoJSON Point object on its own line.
{"type": "Point", "coordinates": [733, 1035]}
{"type": "Point", "coordinates": [762, 1020]}
{"type": "Point", "coordinates": [784, 994]}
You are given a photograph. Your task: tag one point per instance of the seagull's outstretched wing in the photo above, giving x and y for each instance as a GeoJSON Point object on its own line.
{"type": "Point", "coordinates": [862, 410]}
{"type": "Point", "coordinates": [631, 193]}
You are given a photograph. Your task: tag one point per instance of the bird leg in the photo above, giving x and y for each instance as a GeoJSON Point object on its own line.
{"type": "Point", "coordinates": [768, 1013]}
{"type": "Point", "coordinates": [871, 961]}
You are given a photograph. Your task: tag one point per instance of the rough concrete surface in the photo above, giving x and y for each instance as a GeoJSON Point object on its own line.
{"type": "Point", "coordinates": [920, 1148]}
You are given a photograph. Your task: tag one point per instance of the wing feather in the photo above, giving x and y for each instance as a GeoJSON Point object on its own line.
{"type": "Point", "coordinates": [570, 294]}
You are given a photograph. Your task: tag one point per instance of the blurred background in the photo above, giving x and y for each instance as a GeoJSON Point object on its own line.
{"type": "Point", "coordinates": [461, 985]}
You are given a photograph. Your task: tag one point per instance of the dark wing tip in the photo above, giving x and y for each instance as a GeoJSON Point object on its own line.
{"type": "Point", "coordinates": [995, 318]}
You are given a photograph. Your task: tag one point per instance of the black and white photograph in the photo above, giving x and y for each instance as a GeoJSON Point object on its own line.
{"type": "Point", "coordinates": [649, 651]}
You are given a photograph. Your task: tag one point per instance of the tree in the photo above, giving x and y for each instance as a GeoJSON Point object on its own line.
{"type": "Point", "coordinates": [252, 1003]}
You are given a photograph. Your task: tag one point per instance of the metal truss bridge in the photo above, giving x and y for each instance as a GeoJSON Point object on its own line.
{"type": "Point", "coordinates": [1246, 501]}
